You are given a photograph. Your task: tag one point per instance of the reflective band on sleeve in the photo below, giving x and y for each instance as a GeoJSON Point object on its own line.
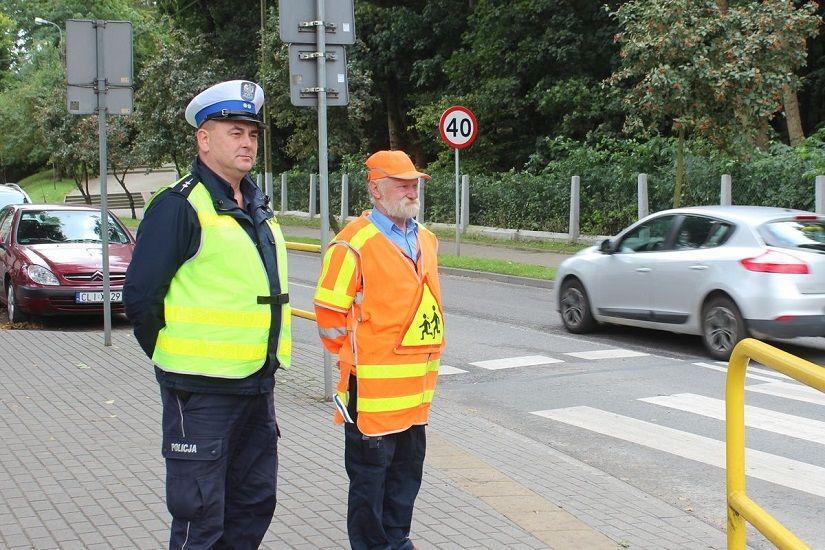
{"type": "Point", "coordinates": [217, 317]}
{"type": "Point", "coordinates": [341, 399]}
{"type": "Point", "coordinates": [333, 332]}
{"type": "Point", "coordinates": [408, 370]}
{"type": "Point", "coordinates": [207, 349]}
{"type": "Point", "coordinates": [332, 298]}
{"type": "Point", "coordinates": [345, 274]}
{"type": "Point", "coordinates": [394, 403]}
{"type": "Point", "coordinates": [433, 365]}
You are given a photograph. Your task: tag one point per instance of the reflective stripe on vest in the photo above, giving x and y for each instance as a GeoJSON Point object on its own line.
{"type": "Point", "coordinates": [214, 325]}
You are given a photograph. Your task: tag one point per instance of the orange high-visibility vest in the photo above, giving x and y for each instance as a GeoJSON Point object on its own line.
{"type": "Point", "coordinates": [394, 329]}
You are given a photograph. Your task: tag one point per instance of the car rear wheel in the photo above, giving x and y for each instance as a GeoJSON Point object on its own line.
{"type": "Point", "coordinates": [575, 308]}
{"type": "Point", "coordinates": [15, 315]}
{"type": "Point", "coordinates": [722, 327]}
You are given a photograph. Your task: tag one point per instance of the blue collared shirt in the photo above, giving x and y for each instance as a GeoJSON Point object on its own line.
{"type": "Point", "coordinates": [406, 240]}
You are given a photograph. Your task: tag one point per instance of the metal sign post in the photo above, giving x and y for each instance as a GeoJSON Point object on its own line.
{"type": "Point", "coordinates": [458, 128]}
{"type": "Point", "coordinates": [333, 23]}
{"type": "Point", "coordinates": [104, 190]}
{"type": "Point", "coordinates": [99, 62]}
{"type": "Point", "coordinates": [457, 205]}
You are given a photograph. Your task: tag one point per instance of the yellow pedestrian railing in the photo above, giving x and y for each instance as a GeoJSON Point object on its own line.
{"type": "Point", "coordinates": [740, 507]}
{"type": "Point", "coordinates": [303, 247]}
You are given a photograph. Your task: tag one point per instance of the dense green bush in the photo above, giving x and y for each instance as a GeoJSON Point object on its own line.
{"type": "Point", "coordinates": [538, 196]}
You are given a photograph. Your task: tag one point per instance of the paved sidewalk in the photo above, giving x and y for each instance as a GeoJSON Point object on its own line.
{"type": "Point", "coordinates": [80, 466]}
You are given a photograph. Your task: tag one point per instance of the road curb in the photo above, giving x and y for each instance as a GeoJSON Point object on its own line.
{"type": "Point", "coordinates": [511, 279]}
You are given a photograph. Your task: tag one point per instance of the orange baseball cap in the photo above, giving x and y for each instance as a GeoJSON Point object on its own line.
{"type": "Point", "coordinates": [392, 164]}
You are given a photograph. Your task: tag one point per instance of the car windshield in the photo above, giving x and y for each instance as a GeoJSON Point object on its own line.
{"type": "Point", "coordinates": [65, 226]}
{"type": "Point", "coordinates": [806, 234]}
{"type": "Point", "coordinates": [10, 196]}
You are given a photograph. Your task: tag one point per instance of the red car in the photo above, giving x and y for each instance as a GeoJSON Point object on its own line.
{"type": "Point", "coordinates": [51, 260]}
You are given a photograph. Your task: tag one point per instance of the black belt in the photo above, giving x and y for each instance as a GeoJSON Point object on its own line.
{"type": "Point", "coordinates": [277, 300]}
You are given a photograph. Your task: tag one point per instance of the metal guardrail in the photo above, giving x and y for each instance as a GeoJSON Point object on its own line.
{"type": "Point", "coordinates": [303, 247]}
{"type": "Point", "coordinates": [740, 507]}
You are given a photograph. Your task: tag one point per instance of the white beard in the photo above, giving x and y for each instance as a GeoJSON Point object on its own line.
{"type": "Point", "coordinates": [405, 208]}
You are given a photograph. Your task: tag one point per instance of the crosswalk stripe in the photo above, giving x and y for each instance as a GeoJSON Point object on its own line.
{"type": "Point", "coordinates": [768, 372]}
{"type": "Point", "coordinates": [607, 354]}
{"type": "Point", "coordinates": [765, 466]}
{"type": "Point", "coordinates": [755, 417]}
{"type": "Point", "coordinates": [513, 362]}
{"type": "Point", "coordinates": [790, 391]}
{"type": "Point", "coordinates": [748, 375]}
{"type": "Point", "coordinates": [447, 369]}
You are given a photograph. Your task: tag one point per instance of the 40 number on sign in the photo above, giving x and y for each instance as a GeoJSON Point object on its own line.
{"type": "Point", "coordinates": [458, 127]}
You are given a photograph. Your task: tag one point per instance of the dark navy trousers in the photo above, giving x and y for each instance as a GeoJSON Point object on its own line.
{"type": "Point", "coordinates": [221, 456]}
{"type": "Point", "coordinates": [384, 478]}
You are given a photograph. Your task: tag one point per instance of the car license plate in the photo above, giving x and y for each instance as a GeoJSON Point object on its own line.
{"type": "Point", "coordinates": [97, 297]}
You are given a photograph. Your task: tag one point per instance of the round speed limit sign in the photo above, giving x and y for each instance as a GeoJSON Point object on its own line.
{"type": "Point", "coordinates": [458, 127]}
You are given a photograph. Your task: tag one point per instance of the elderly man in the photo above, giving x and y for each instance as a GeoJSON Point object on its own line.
{"type": "Point", "coordinates": [378, 288]}
{"type": "Point", "coordinates": [206, 292]}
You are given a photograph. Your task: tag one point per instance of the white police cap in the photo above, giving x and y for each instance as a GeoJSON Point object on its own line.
{"type": "Point", "coordinates": [230, 100]}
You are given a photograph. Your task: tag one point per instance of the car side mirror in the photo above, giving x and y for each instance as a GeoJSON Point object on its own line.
{"type": "Point", "coordinates": [606, 247]}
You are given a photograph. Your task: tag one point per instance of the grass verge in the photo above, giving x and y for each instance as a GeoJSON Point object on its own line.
{"type": "Point", "coordinates": [303, 240]}
{"type": "Point", "coordinates": [502, 267]}
{"type": "Point", "coordinates": [42, 187]}
{"type": "Point", "coordinates": [561, 247]}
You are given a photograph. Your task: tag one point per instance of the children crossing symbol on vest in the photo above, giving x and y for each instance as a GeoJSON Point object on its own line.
{"type": "Point", "coordinates": [430, 327]}
{"type": "Point", "coordinates": [425, 327]}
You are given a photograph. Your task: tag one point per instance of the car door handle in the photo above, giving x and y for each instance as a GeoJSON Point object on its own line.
{"type": "Point", "coordinates": [643, 269]}
{"type": "Point", "coordinates": [699, 267]}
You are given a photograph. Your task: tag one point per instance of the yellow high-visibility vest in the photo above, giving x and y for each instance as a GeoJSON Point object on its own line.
{"type": "Point", "coordinates": [214, 323]}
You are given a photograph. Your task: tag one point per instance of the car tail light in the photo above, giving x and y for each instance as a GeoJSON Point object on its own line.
{"type": "Point", "coordinates": [806, 218]}
{"type": "Point", "coordinates": [785, 318]}
{"type": "Point", "coordinates": [776, 262]}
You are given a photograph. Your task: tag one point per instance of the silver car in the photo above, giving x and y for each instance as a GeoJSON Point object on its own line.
{"type": "Point", "coordinates": [11, 193]}
{"type": "Point", "coordinates": [722, 272]}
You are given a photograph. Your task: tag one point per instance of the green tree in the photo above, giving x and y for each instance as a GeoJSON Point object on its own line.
{"type": "Point", "coordinates": [181, 69]}
{"type": "Point", "coordinates": [528, 69]}
{"type": "Point", "coordinates": [706, 68]}
{"type": "Point", "coordinates": [122, 152]}
{"type": "Point", "coordinates": [7, 32]}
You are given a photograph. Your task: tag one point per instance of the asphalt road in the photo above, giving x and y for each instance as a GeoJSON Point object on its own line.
{"type": "Point", "coordinates": [640, 405]}
{"type": "Point", "coordinates": [590, 406]}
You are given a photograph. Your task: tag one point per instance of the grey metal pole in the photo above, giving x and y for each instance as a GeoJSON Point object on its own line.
{"type": "Point", "coordinates": [270, 192]}
{"type": "Point", "coordinates": [575, 193]}
{"type": "Point", "coordinates": [465, 202]}
{"type": "Point", "coordinates": [320, 40]}
{"type": "Point", "coordinates": [819, 195]}
{"type": "Point", "coordinates": [265, 133]}
{"type": "Point", "coordinates": [102, 129]}
{"type": "Point", "coordinates": [420, 216]}
{"type": "Point", "coordinates": [284, 197]}
{"type": "Point", "coordinates": [344, 198]}
{"type": "Point", "coordinates": [313, 185]}
{"type": "Point", "coordinates": [643, 206]}
{"type": "Point", "coordinates": [726, 198]}
{"type": "Point", "coordinates": [457, 209]}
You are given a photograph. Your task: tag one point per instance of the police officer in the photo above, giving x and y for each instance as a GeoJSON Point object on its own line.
{"type": "Point", "coordinates": [206, 292]}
